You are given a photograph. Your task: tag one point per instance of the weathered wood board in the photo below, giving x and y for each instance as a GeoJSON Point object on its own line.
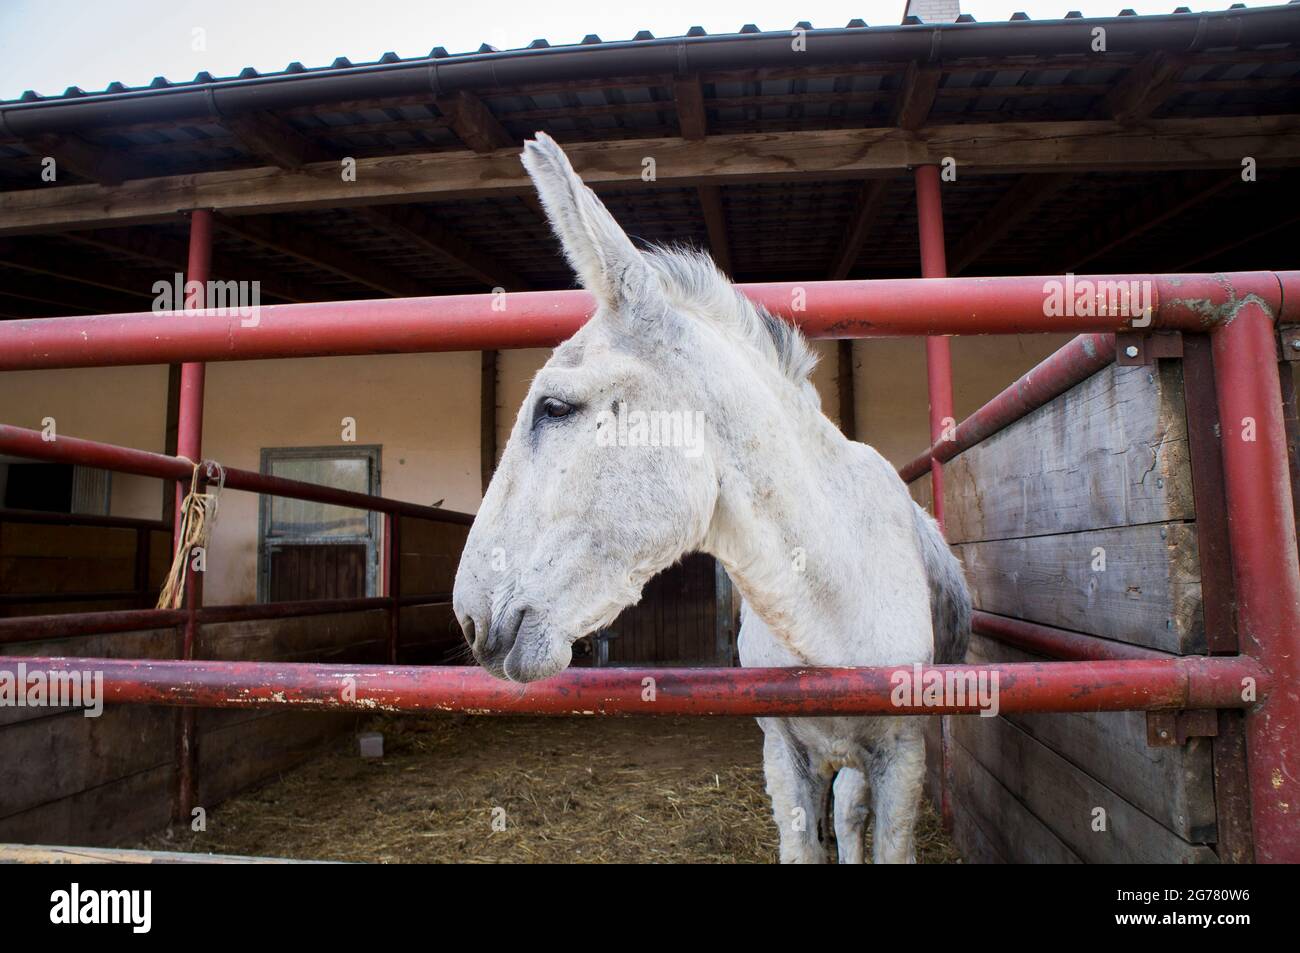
{"type": "Point", "coordinates": [1173, 785]}
{"type": "Point", "coordinates": [1068, 801]}
{"type": "Point", "coordinates": [1148, 594]}
{"type": "Point", "coordinates": [1112, 451]}
{"type": "Point", "coordinates": [990, 825]}
{"type": "Point", "coordinates": [922, 491]}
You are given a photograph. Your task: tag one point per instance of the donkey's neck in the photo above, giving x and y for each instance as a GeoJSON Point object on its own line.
{"type": "Point", "coordinates": [797, 525]}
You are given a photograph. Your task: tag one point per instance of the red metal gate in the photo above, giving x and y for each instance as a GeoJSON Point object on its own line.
{"type": "Point", "coordinates": [1239, 311]}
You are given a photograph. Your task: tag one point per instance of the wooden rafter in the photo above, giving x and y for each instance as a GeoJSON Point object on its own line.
{"type": "Point", "coordinates": [920, 88]}
{"type": "Point", "coordinates": [715, 224]}
{"type": "Point", "coordinates": [1166, 200]}
{"type": "Point", "coordinates": [473, 123]}
{"type": "Point", "coordinates": [288, 240]}
{"type": "Point", "coordinates": [1020, 202]}
{"type": "Point", "coordinates": [688, 97]}
{"type": "Point", "coordinates": [1246, 238]}
{"type": "Point", "coordinates": [87, 160]}
{"type": "Point", "coordinates": [64, 294]}
{"type": "Point", "coordinates": [692, 120]}
{"type": "Point", "coordinates": [422, 231]}
{"type": "Point", "coordinates": [160, 250]}
{"type": "Point", "coordinates": [273, 140]}
{"type": "Point", "coordinates": [869, 202]}
{"type": "Point", "coordinates": [1146, 86]}
{"type": "Point", "coordinates": [55, 263]}
{"type": "Point", "coordinates": [826, 154]}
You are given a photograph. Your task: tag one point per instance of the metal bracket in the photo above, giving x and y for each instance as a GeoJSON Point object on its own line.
{"type": "Point", "coordinates": [1141, 348]}
{"type": "Point", "coordinates": [1289, 341]}
{"type": "Point", "coordinates": [1168, 729]}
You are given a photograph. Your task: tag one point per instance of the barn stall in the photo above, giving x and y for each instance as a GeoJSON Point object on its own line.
{"type": "Point", "coordinates": [1084, 451]}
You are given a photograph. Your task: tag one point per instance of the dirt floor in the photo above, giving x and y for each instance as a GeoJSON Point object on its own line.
{"type": "Point", "coordinates": [633, 790]}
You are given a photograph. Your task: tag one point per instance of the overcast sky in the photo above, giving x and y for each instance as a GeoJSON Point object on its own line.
{"type": "Point", "coordinates": [49, 45]}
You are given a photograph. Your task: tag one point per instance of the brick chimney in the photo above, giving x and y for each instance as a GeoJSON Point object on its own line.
{"type": "Point", "coordinates": [933, 11]}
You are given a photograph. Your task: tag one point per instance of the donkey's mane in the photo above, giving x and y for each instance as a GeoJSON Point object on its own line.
{"type": "Point", "coordinates": [693, 281]}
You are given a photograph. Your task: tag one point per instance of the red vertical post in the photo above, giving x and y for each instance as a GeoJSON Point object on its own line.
{"type": "Point", "coordinates": [1261, 532]}
{"type": "Point", "coordinates": [938, 357]}
{"type": "Point", "coordinates": [189, 444]}
{"type": "Point", "coordinates": [938, 375]}
{"type": "Point", "coordinates": [393, 579]}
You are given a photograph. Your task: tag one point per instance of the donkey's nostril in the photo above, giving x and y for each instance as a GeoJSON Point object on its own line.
{"type": "Point", "coordinates": [502, 631]}
{"type": "Point", "coordinates": [467, 629]}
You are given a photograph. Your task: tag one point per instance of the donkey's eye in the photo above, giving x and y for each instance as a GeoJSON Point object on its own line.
{"type": "Point", "coordinates": [552, 407]}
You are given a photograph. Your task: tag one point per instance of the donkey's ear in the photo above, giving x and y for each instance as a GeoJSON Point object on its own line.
{"type": "Point", "coordinates": [603, 257]}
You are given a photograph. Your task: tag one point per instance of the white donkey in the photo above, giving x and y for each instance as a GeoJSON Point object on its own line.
{"type": "Point", "coordinates": [836, 564]}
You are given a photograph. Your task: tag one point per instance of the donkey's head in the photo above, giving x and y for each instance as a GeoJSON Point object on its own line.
{"type": "Point", "coordinates": [611, 473]}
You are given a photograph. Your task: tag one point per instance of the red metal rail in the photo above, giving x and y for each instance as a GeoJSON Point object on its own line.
{"type": "Point", "coordinates": [1058, 372]}
{"type": "Point", "coordinates": [66, 625]}
{"type": "Point", "coordinates": [1192, 682]}
{"type": "Point", "coordinates": [1057, 643]}
{"type": "Point", "coordinates": [827, 309]}
{"type": "Point", "coordinates": [30, 443]}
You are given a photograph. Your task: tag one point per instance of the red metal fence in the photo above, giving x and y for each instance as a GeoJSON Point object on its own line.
{"type": "Point", "coordinates": [1239, 311]}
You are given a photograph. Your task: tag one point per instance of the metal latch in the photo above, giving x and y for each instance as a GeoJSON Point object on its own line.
{"type": "Point", "coordinates": [1168, 729]}
{"type": "Point", "coordinates": [1137, 348]}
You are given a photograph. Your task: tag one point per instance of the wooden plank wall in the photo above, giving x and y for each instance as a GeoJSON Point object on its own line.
{"type": "Point", "coordinates": [676, 621]}
{"type": "Point", "coordinates": [1101, 473]}
{"type": "Point", "coordinates": [43, 558]}
{"type": "Point", "coordinates": [430, 554]}
{"type": "Point", "coordinates": [110, 780]}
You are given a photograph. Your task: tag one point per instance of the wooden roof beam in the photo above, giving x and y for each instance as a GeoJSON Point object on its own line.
{"type": "Point", "coordinates": [473, 122]}
{"type": "Point", "coordinates": [998, 148]}
{"type": "Point", "coordinates": [715, 224]}
{"type": "Point", "coordinates": [1015, 207]}
{"type": "Point", "coordinates": [85, 159]}
{"type": "Point", "coordinates": [692, 120]}
{"type": "Point", "coordinates": [420, 229]}
{"type": "Point", "coordinates": [273, 140]}
{"type": "Point", "coordinates": [919, 89]}
{"type": "Point", "coordinates": [688, 96]}
{"type": "Point", "coordinates": [286, 239]}
{"type": "Point", "coordinates": [1146, 86]}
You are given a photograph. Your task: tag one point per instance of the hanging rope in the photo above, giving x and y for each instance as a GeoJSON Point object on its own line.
{"type": "Point", "coordinates": [198, 514]}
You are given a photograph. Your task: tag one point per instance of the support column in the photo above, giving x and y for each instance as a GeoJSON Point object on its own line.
{"type": "Point", "coordinates": [1262, 534]}
{"type": "Point", "coordinates": [938, 358]}
{"type": "Point", "coordinates": [189, 444]}
{"type": "Point", "coordinates": [938, 375]}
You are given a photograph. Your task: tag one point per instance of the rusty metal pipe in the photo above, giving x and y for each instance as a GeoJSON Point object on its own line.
{"type": "Point", "coordinates": [1057, 373]}
{"type": "Point", "coordinates": [29, 443]}
{"type": "Point", "coordinates": [823, 309]}
{"type": "Point", "coordinates": [1057, 643]}
{"type": "Point", "coordinates": [1128, 685]}
{"type": "Point", "coordinates": [1262, 533]}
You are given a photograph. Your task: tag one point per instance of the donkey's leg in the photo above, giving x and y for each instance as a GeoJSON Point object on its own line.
{"type": "Point", "coordinates": [798, 792]}
{"type": "Point", "coordinates": [897, 774]}
{"type": "Point", "coordinates": [850, 799]}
